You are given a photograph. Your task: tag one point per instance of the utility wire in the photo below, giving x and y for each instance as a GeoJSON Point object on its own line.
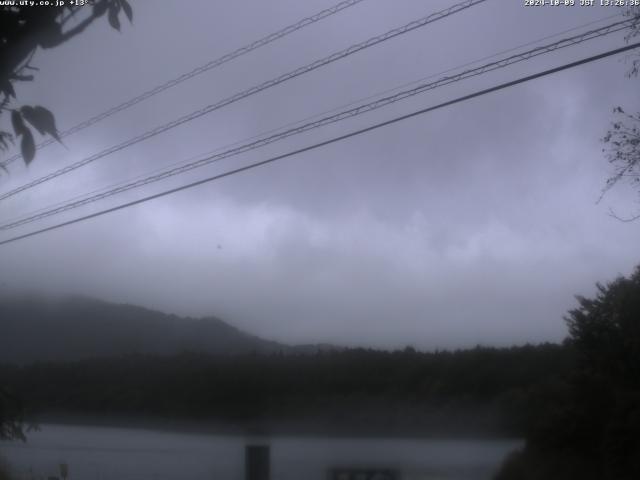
{"type": "Point", "coordinates": [197, 71]}
{"type": "Point", "coordinates": [330, 141]}
{"type": "Point", "coordinates": [317, 115]}
{"type": "Point", "coordinates": [365, 108]}
{"type": "Point", "coordinates": [251, 91]}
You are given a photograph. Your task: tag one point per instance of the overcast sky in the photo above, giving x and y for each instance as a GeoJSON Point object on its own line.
{"type": "Point", "coordinates": [473, 224]}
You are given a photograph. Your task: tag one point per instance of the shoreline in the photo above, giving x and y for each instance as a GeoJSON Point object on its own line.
{"type": "Point", "coordinates": [262, 429]}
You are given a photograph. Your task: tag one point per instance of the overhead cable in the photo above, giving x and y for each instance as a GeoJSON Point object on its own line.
{"type": "Point", "coordinates": [326, 142]}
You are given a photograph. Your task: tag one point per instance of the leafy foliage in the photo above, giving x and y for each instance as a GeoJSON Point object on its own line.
{"type": "Point", "coordinates": [41, 119]}
{"type": "Point", "coordinates": [634, 31]}
{"type": "Point", "coordinates": [11, 411]}
{"type": "Point", "coordinates": [622, 141]}
{"type": "Point", "coordinates": [24, 29]}
{"type": "Point", "coordinates": [622, 147]}
{"type": "Point", "coordinates": [481, 390]}
{"type": "Point", "coordinates": [593, 429]}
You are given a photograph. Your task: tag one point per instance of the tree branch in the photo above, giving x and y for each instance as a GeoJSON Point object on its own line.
{"type": "Point", "coordinates": [633, 218]}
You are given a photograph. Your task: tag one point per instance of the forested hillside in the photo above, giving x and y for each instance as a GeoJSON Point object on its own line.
{"type": "Point", "coordinates": [35, 329]}
{"type": "Point", "coordinates": [482, 390]}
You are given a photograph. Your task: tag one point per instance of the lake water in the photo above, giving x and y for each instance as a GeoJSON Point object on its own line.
{"type": "Point", "coordinates": [100, 453]}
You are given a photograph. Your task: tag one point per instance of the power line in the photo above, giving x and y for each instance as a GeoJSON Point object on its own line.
{"type": "Point", "coordinates": [325, 121]}
{"type": "Point", "coordinates": [365, 108]}
{"type": "Point", "coordinates": [108, 187]}
{"type": "Point", "coordinates": [197, 71]}
{"type": "Point", "coordinates": [330, 141]}
{"type": "Point", "coordinates": [316, 115]}
{"type": "Point", "coordinates": [253, 90]}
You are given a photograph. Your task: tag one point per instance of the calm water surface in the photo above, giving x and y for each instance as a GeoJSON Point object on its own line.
{"type": "Point", "coordinates": [100, 453]}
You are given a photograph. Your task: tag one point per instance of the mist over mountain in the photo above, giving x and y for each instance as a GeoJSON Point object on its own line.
{"type": "Point", "coordinates": [64, 329]}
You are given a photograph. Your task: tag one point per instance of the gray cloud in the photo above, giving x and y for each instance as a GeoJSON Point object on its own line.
{"type": "Point", "coordinates": [473, 224]}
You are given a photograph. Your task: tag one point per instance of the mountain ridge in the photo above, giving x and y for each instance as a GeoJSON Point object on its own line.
{"type": "Point", "coordinates": [73, 328]}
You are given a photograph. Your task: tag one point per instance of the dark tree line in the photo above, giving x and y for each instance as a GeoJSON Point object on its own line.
{"type": "Point", "coordinates": [592, 428]}
{"type": "Point", "coordinates": [486, 390]}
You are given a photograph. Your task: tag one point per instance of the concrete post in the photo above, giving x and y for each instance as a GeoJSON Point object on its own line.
{"type": "Point", "coordinates": [257, 462]}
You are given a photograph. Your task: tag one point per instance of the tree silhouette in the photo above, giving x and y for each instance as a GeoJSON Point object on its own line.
{"type": "Point", "coordinates": [11, 416]}
{"type": "Point", "coordinates": [593, 430]}
{"type": "Point", "coordinates": [25, 29]}
{"type": "Point", "coordinates": [622, 141]}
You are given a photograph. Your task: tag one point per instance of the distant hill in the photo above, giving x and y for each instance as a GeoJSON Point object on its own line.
{"type": "Point", "coordinates": [34, 330]}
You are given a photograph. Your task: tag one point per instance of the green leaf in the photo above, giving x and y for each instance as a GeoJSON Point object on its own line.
{"type": "Point", "coordinates": [128, 11]}
{"type": "Point", "coordinates": [5, 138]}
{"type": "Point", "coordinates": [114, 21]}
{"type": "Point", "coordinates": [7, 88]}
{"type": "Point", "coordinates": [18, 124]}
{"type": "Point", "coordinates": [28, 146]}
{"type": "Point", "coordinates": [100, 8]}
{"type": "Point", "coordinates": [42, 120]}
{"type": "Point", "coordinates": [50, 35]}
{"type": "Point", "coordinates": [22, 78]}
